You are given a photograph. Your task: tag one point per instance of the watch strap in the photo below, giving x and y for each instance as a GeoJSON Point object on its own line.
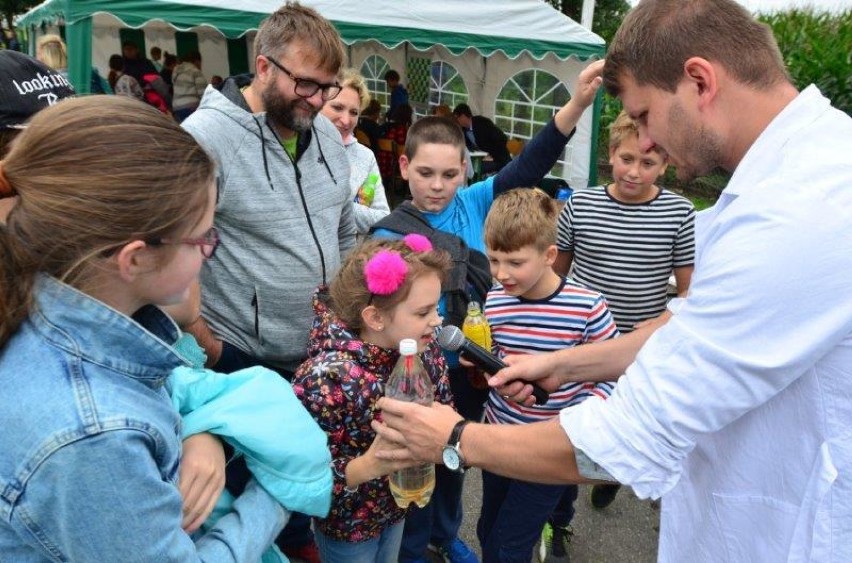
{"type": "Point", "coordinates": [455, 435]}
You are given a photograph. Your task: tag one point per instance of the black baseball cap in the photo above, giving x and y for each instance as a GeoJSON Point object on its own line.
{"type": "Point", "coordinates": [26, 87]}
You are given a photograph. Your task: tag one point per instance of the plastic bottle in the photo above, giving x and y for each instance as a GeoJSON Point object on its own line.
{"type": "Point", "coordinates": [368, 191]}
{"type": "Point", "coordinates": [475, 328]}
{"type": "Point", "coordinates": [410, 382]}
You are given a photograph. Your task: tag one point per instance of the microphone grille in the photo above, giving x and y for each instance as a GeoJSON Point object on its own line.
{"type": "Point", "coordinates": [450, 338]}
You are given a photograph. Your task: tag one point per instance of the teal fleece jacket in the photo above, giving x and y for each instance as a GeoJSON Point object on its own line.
{"type": "Point", "coordinates": [257, 413]}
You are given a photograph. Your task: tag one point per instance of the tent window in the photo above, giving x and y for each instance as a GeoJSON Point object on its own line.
{"type": "Point", "coordinates": [135, 36]}
{"type": "Point", "coordinates": [238, 62]}
{"type": "Point", "coordinates": [446, 86]}
{"type": "Point", "coordinates": [526, 103]}
{"type": "Point", "coordinates": [186, 42]}
{"type": "Point", "coordinates": [373, 70]}
{"type": "Point", "coordinates": [417, 71]}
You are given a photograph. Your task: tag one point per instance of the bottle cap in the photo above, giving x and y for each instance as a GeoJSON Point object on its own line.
{"type": "Point", "coordinates": [473, 306]}
{"type": "Point", "coordinates": [408, 347]}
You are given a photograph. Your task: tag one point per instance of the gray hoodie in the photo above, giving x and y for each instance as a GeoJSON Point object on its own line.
{"type": "Point", "coordinates": [284, 226]}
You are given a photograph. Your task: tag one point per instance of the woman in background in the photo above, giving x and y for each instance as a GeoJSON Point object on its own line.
{"type": "Point", "coordinates": [365, 180]}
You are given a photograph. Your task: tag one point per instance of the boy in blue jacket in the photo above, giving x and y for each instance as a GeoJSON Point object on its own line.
{"type": "Point", "coordinates": [434, 166]}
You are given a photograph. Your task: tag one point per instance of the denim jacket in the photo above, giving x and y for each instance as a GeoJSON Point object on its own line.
{"type": "Point", "coordinates": [91, 445]}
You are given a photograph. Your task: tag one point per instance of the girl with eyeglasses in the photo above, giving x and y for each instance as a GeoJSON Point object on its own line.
{"type": "Point", "coordinates": [90, 438]}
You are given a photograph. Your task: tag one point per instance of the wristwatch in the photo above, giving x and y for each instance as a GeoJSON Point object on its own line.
{"type": "Point", "coordinates": [451, 455]}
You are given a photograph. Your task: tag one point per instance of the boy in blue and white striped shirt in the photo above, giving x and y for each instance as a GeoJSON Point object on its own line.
{"type": "Point", "coordinates": [532, 310]}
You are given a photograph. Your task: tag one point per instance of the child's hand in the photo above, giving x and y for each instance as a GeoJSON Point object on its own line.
{"type": "Point", "coordinates": [581, 98]}
{"type": "Point", "coordinates": [368, 466]}
{"type": "Point", "coordinates": [588, 82]}
{"type": "Point", "coordinates": [202, 478]}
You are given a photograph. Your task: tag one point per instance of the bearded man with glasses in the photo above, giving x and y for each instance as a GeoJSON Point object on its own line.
{"type": "Point", "coordinates": [283, 212]}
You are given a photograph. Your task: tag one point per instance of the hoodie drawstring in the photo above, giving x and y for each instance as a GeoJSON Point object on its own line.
{"type": "Point", "coordinates": [263, 152]}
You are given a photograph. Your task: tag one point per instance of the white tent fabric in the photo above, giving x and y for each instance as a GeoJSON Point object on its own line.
{"type": "Point", "coordinates": [487, 41]}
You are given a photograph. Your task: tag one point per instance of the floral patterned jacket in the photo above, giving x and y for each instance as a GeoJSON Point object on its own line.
{"type": "Point", "coordinates": [339, 384]}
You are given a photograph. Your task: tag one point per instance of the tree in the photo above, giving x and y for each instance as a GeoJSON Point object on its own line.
{"type": "Point", "coordinates": [608, 14]}
{"type": "Point", "coordinates": [11, 8]}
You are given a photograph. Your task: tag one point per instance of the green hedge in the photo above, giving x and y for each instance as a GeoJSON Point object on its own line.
{"type": "Point", "coordinates": [817, 48]}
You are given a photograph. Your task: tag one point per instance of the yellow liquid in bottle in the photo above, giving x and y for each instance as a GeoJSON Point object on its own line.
{"type": "Point", "coordinates": [476, 329]}
{"type": "Point", "coordinates": [414, 484]}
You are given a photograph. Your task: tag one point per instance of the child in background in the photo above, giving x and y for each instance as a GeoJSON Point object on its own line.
{"type": "Point", "coordinates": [626, 239]}
{"type": "Point", "coordinates": [532, 310]}
{"type": "Point", "coordinates": [385, 291]}
{"type": "Point", "coordinates": [89, 434]}
{"type": "Point", "coordinates": [434, 166]}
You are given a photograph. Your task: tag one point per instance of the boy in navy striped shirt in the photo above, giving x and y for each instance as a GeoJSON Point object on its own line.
{"type": "Point", "coordinates": [626, 239]}
{"type": "Point", "coordinates": [532, 310]}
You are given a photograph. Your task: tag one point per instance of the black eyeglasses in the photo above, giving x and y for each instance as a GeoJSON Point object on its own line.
{"type": "Point", "coordinates": [208, 243]}
{"type": "Point", "coordinates": [305, 87]}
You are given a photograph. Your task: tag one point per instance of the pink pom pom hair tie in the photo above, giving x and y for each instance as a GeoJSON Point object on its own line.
{"type": "Point", "coordinates": [417, 243]}
{"type": "Point", "coordinates": [385, 272]}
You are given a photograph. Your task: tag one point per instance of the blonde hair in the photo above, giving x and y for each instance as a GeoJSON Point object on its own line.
{"type": "Point", "coordinates": [293, 22]}
{"type": "Point", "coordinates": [93, 174]}
{"type": "Point", "coordinates": [350, 78]}
{"type": "Point", "coordinates": [50, 49]}
{"type": "Point", "coordinates": [521, 217]}
{"type": "Point", "coordinates": [624, 128]}
{"type": "Point", "coordinates": [349, 293]}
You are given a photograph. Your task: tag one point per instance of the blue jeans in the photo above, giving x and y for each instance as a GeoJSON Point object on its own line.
{"type": "Point", "coordinates": [513, 514]}
{"type": "Point", "coordinates": [297, 532]}
{"type": "Point", "coordinates": [439, 521]}
{"type": "Point", "coordinates": [383, 549]}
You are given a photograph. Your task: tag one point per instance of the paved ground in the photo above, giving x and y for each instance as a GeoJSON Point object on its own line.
{"type": "Point", "coordinates": [624, 532]}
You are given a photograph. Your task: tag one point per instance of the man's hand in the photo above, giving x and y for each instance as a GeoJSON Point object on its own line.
{"type": "Point", "coordinates": [419, 432]}
{"type": "Point", "coordinates": [202, 478]}
{"type": "Point", "coordinates": [511, 382]}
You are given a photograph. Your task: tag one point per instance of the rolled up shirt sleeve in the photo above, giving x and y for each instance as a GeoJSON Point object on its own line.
{"type": "Point", "coordinates": [752, 325]}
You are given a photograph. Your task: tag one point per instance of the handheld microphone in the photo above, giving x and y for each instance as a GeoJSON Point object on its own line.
{"type": "Point", "coordinates": [452, 339]}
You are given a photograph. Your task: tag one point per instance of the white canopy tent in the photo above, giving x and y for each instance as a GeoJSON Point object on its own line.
{"type": "Point", "coordinates": [486, 41]}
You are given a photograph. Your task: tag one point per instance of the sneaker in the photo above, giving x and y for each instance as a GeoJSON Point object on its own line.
{"type": "Point", "coordinates": [309, 553]}
{"type": "Point", "coordinates": [603, 495]}
{"type": "Point", "coordinates": [455, 551]}
{"type": "Point", "coordinates": [553, 547]}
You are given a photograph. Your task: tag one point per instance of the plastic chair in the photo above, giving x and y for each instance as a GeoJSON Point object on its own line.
{"type": "Point", "coordinates": [389, 146]}
{"type": "Point", "coordinates": [363, 138]}
{"type": "Point", "coordinates": [515, 146]}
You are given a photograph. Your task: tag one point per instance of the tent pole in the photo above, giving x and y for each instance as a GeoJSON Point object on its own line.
{"type": "Point", "coordinates": [79, 37]}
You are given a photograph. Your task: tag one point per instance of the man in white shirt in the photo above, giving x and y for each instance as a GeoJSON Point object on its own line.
{"type": "Point", "coordinates": [738, 411]}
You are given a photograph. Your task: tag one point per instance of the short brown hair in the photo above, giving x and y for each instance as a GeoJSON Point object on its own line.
{"type": "Point", "coordinates": [434, 129]}
{"type": "Point", "coordinates": [623, 128]}
{"type": "Point", "coordinates": [658, 36]}
{"type": "Point", "coordinates": [293, 22]}
{"type": "Point", "coordinates": [349, 293]}
{"type": "Point", "coordinates": [521, 217]}
{"type": "Point", "coordinates": [83, 172]}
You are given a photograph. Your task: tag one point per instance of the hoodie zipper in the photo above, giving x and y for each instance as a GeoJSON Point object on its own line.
{"type": "Point", "coordinates": [302, 193]}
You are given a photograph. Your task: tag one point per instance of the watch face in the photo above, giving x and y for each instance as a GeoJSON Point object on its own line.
{"type": "Point", "coordinates": [451, 458]}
